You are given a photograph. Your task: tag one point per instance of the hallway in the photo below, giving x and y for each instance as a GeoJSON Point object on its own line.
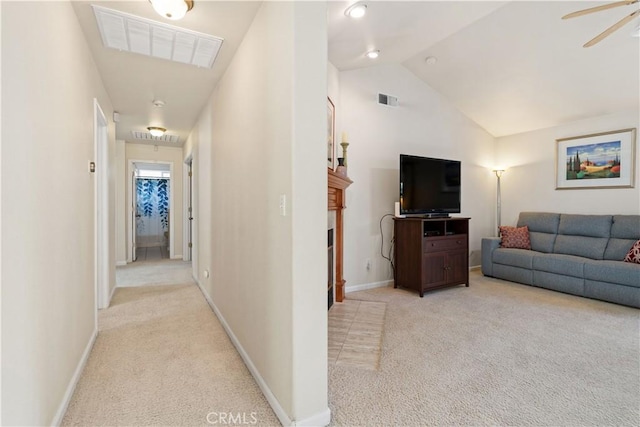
{"type": "Point", "coordinates": [163, 358]}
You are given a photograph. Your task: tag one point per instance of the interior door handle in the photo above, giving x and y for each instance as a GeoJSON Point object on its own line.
{"type": "Point", "coordinates": [138, 216]}
{"type": "Point", "coordinates": [190, 218]}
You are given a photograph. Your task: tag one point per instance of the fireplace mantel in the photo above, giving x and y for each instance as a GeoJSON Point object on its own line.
{"type": "Point", "coordinates": [336, 190]}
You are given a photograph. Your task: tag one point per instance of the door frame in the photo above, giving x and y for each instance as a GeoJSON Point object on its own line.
{"type": "Point", "coordinates": [187, 228]}
{"type": "Point", "coordinates": [130, 207]}
{"type": "Point", "coordinates": [101, 206]}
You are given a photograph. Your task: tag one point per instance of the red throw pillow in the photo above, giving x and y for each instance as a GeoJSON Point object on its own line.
{"type": "Point", "coordinates": [513, 237]}
{"type": "Point", "coordinates": [634, 253]}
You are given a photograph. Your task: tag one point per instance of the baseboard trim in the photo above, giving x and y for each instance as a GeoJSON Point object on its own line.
{"type": "Point", "coordinates": [320, 419]}
{"type": "Point", "coordinates": [475, 267]}
{"type": "Point", "coordinates": [273, 402]}
{"type": "Point", "coordinates": [179, 256]}
{"type": "Point", "coordinates": [113, 291]}
{"type": "Point", "coordinates": [62, 409]}
{"type": "Point", "coordinates": [365, 286]}
{"type": "Point", "coordinates": [121, 263]}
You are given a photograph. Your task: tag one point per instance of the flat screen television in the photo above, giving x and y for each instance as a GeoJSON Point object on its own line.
{"type": "Point", "coordinates": [429, 186]}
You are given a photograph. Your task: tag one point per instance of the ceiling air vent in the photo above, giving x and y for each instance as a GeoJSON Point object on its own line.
{"type": "Point", "coordinates": [146, 136]}
{"type": "Point", "coordinates": [132, 33]}
{"type": "Point", "coordinates": [391, 101]}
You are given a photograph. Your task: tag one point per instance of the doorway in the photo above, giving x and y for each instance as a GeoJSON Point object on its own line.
{"type": "Point", "coordinates": [101, 206]}
{"type": "Point", "coordinates": [151, 201]}
{"type": "Point", "coordinates": [152, 236]}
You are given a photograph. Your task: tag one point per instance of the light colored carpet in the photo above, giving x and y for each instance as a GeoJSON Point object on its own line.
{"type": "Point", "coordinates": [150, 273]}
{"type": "Point", "coordinates": [495, 353]}
{"type": "Point", "coordinates": [162, 358]}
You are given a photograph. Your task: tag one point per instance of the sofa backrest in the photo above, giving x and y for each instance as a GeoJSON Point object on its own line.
{"type": "Point", "coordinates": [543, 228]}
{"type": "Point", "coordinates": [583, 235]}
{"type": "Point", "coordinates": [625, 231]}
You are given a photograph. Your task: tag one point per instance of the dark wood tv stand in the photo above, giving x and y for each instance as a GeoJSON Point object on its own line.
{"type": "Point", "coordinates": [431, 253]}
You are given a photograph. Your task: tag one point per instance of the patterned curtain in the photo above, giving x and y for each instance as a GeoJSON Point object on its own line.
{"type": "Point", "coordinates": [153, 208]}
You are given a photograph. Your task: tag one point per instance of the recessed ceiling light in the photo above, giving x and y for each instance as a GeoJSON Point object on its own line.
{"type": "Point", "coordinates": [431, 60]}
{"type": "Point", "coordinates": [158, 103]}
{"type": "Point", "coordinates": [356, 10]}
{"type": "Point", "coordinates": [373, 54]}
{"type": "Point", "coordinates": [156, 131]}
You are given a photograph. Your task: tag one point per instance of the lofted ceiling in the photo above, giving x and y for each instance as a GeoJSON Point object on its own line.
{"type": "Point", "coordinates": [511, 66]}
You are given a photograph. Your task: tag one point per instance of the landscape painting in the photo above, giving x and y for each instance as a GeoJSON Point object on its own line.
{"type": "Point", "coordinates": [598, 160]}
{"type": "Point", "coordinates": [594, 161]}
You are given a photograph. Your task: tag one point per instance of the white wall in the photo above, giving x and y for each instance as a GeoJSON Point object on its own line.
{"type": "Point", "coordinates": [149, 154]}
{"type": "Point", "coordinates": [424, 124]}
{"type": "Point", "coordinates": [529, 182]}
{"type": "Point", "coordinates": [260, 137]}
{"type": "Point", "coordinates": [49, 81]}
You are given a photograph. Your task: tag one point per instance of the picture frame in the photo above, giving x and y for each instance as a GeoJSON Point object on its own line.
{"type": "Point", "coordinates": [599, 160]}
{"type": "Point", "coordinates": [331, 133]}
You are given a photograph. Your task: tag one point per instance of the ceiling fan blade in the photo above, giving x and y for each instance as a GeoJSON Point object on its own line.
{"type": "Point", "coordinates": [612, 28]}
{"type": "Point", "coordinates": [599, 8]}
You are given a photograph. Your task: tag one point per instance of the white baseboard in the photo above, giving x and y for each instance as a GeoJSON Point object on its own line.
{"type": "Point", "coordinates": [275, 405]}
{"type": "Point", "coordinates": [179, 256]}
{"type": "Point", "coordinates": [320, 419]}
{"type": "Point", "coordinates": [121, 263]}
{"type": "Point", "coordinates": [113, 291]}
{"type": "Point", "coordinates": [475, 267]}
{"type": "Point", "coordinates": [366, 286]}
{"type": "Point", "coordinates": [62, 409]}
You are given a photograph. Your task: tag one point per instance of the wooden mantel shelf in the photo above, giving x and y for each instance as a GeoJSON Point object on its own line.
{"type": "Point", "coordinates": [336, 186]}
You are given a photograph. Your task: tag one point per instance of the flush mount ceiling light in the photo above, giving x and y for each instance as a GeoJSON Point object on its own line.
{"type": "Point", "coordinates": [431, 60]}
{"type": "Point", "coordinates": [158, 103]}
{"type": "Point", "coordinates": [373, 54]}
{"type": "Point", "coordinates": [356, 10]}
{"type": "Point", "coordinates": [156, 131]}
{"type": "Point", "coordinates": [172, 9]}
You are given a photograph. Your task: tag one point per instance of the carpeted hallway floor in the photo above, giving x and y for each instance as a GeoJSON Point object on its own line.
{"type": "Point", "coordinates": [162, 358]}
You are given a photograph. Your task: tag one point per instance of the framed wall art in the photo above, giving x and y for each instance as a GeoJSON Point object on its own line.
{"type": "Point", "coordinates": [331, 133]}
{"type": "Point", "coordinates": [600, 160]}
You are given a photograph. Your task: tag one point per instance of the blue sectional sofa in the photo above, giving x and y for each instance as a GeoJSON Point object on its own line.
{"type": "Point", "coordinates": [576, 254]}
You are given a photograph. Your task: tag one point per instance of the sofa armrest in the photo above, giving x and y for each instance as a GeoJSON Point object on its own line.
{"type": "Point", "coordinates": [489, 244]}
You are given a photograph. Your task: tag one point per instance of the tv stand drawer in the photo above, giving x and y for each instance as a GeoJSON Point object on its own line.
{"type": "Point", "coordinates": [445, 243]}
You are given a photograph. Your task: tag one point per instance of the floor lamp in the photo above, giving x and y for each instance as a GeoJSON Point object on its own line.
{"type": "Point", "coordinates": [498, 173]}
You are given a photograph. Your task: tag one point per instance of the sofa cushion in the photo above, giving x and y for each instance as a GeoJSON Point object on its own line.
{"type": "Point", "coordinates": [588, 247]}
{"type": "Point", "coordinates": [626, 227]}
{"type": "Point", "coordinates": [542, 222]}
{"type": "Point", "coordinates": [625, 231]}
{"type": "Point", "coordinates": [514, 237]}
{"type": "Point", "coordinates": [585, 225]}
{"type": "Point", "coordinates": [634, 254]}
{"type": "Point", "coordinates": [543, 227]}
{"type": "Point", "coordinates": [567, 265]}
{"type": "Point", "coordinates": [617, 249]}
{"type": "Point", "coordinates": [618, 272]}
{"type": "Point", "coordinates": [516, 257]}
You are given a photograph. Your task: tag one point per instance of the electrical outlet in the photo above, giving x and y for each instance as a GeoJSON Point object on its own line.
{"type": "Point", "coordinates": [368, 265]}
{"type": "Point", "coordinates": [283, 205]}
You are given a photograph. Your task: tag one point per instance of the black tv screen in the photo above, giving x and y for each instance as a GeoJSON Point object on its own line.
{"type": "Point", "coordinates": [429, 186]}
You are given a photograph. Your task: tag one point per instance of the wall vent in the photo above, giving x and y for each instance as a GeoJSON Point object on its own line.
{"type": "Point", "coordinates": [146, 136]}
{"type": "Point", "coordinates": [391, 101]}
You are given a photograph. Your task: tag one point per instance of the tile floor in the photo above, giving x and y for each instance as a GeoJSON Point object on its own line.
{"type": "Point", "coordinates": [355, 333]}
{"type": "Point", "coordinates": [152, 253]}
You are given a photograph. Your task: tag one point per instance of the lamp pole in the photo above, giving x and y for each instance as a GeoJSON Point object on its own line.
{"type": "Point", "coordinates": [498, 173]}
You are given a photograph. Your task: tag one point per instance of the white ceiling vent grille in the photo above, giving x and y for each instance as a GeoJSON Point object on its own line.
{"type": "Point", "coordinates": [131, 33]}
{"type": "Point", "coordinates": [146, 136]}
